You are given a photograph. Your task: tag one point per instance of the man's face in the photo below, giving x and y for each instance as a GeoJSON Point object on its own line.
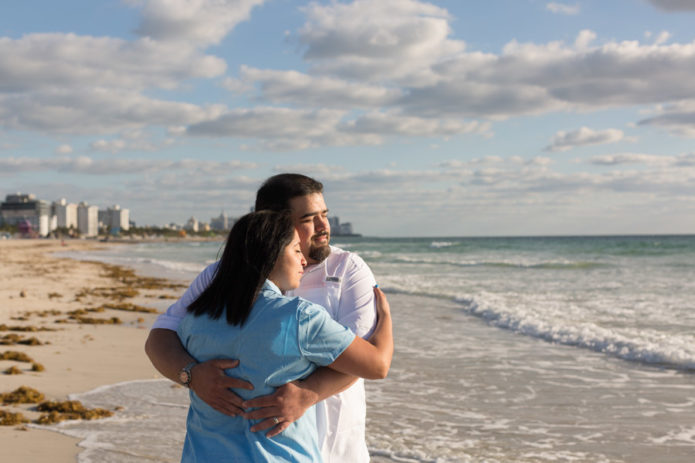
{"type": "Point", "coordinates": [310, 216]}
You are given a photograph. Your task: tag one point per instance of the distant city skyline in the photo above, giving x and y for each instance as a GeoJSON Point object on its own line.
{"type": "Point", "coordinates": [46, 216]}
{"type": "Point", "coordinates": [421, 118]}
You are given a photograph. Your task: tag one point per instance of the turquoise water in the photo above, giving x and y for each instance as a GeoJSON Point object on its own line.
{"type": "Point", "coordinates": [552, 349]}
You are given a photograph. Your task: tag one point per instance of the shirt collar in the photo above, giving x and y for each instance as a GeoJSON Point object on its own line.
{"type": "Point", "coordinates": [270, 286]}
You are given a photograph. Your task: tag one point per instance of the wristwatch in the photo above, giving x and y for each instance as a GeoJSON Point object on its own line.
{"type": "Point", "coordinates": [185, 376]}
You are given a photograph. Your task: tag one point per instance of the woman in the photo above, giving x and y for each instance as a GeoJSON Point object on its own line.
{"type": "Point", "coordinates": [243, 315]}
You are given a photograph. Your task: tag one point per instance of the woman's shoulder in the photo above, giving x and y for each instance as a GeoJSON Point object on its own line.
{"type": "Point", "coordinates": [308, 310]}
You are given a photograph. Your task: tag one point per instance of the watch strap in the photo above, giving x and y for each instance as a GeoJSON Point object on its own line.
{"type": "Point", "coordinates": [188, 375]}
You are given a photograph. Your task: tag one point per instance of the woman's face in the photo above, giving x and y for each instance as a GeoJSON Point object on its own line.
{"type": "Point", "coordinates": [289, 268]}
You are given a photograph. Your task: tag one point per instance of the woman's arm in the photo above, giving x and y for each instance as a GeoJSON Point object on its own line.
{"type": "Point", "coordinates": [370, 359]}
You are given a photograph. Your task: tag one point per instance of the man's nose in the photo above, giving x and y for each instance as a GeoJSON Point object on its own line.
{"type": "Point", "coordinates": [320, 223]}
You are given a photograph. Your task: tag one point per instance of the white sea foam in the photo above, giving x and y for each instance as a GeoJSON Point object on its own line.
{"type": "Point", "coordinates": [443, 244]}
{"type": "Point", "coordinates": [460, 389]}
{"type": "Point", "coordinates": [674, 350]}
{"type": "Point", "coordinates": [150, 426]}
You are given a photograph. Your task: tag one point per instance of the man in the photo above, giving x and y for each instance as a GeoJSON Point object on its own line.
{"type": "Point", "coordinates": [336, 279]}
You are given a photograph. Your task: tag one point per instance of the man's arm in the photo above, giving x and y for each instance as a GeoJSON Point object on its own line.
{"type": "Point", "coordinates": [289, 402]}
{"type": "Point", "coordinates": [208, 379]}
{"type": "Point", "coordinates": [167, 354]}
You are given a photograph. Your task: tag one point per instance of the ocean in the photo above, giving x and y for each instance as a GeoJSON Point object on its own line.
{"type": "Point", "coordinates": [538, 349]}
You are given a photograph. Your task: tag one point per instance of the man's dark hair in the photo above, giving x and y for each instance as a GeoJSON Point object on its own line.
{"type": "Point", "coordinates": [254, 244]}
{"type": "Point", "coordinates": [276, 192]}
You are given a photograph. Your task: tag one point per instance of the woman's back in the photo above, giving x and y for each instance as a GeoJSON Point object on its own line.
{"type": "Point", "coordinates": [282, 340]}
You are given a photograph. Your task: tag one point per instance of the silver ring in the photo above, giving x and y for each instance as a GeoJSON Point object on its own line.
{"type": "Point", "coordinates": [275, 420]}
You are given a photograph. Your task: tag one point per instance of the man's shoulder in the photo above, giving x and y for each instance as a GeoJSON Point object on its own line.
{"type": "Point", "coordinates": [341, 255]}
{"type": "Point", "coordinates": [341, 261]}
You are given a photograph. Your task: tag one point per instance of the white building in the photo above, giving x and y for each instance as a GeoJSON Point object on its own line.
{"type": "Point", "coordinates": [115, 218]}
{"type": "Point", "coordinates": [191, 225]}
{"type": "Point", "coordinates": [65, 214]}
{"type": "Point", "coordinates": [220, 223]}
{"type": "Point", "coordinates": [346, 228]}
{"type": "Point", "coordinates": [88, 219]}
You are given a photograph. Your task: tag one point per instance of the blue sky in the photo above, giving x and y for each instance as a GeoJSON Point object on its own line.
{"type": "Point", "coordinates": [441, 118]}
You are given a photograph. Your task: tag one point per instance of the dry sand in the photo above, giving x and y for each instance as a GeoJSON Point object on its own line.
{"type": "Point", "coordinates": [77, 356]}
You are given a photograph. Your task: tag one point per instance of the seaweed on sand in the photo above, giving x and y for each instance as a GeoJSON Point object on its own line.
{"type": "Point", "coordinates": [16, 356]}
{"type": "Point", "coordinates": [4, 327]}
{"type": "Point", "coordinates": [22, 395]}
{"type": "Point", "coordinates": [11, 419]}
{"type": "Point", "coordinates": [69, 410]}
{"type": "Point", "coordinates": [10, 339]}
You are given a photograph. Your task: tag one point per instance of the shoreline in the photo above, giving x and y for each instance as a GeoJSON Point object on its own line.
{"type": "Point", "coordinates": [81, 352]}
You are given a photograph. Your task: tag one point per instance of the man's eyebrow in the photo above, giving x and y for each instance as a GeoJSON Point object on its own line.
{"type": "Point", "coordinates": [311, 214]}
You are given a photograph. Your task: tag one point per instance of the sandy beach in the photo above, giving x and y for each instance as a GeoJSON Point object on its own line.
{"type": "Point", "coordinates": [77, 350]}
{"type": "Point", "coordinates": [477, 375]}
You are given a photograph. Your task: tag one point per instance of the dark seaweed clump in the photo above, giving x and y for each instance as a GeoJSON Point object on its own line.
{"type": "Point", "coordinates": [22, 395]}
{"type": "Point", "coordinates": [69, 410]}
{"type": "Point", "coordinates": [16, 356]}
{"type": "Point", "coordinates": [11, 419]}
{"type": "Point", "coordinates": [53, 411]}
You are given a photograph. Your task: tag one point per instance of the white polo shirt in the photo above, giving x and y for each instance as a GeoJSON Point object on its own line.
{"type": "Point", "coordinates": [343, 285]}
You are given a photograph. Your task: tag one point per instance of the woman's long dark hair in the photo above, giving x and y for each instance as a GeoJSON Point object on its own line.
{"type": "Point", "coordinates": [253, 246]}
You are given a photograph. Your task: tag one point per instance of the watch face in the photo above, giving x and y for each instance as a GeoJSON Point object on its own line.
{"type": "Point", "coordinates": [184, 377]}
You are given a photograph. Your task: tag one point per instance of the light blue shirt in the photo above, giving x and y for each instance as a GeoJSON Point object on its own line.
{"type": "Point", "coordinates": [282, 340]}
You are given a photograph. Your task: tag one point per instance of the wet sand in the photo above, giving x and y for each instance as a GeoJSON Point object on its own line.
{"type": "Point", "coordinates": [42, 292]}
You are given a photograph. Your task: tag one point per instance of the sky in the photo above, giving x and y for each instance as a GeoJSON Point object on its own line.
{"type": "Point", "coordinates": [439, 118]}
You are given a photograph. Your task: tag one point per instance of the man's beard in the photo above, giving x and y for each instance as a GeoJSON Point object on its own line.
{"type": "Point", "coordinates": [319, 252]}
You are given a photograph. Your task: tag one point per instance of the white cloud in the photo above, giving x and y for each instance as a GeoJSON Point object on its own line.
{"type": "Point", "coordinates": [81, 84]}
{"type": "Point", "coordinates": [45, 61]}
{"type": "Point", "coordinates": [371, 41]}
{"type": "Point", "coordinates": [268, 122]}
{"type": "Point", "coordinates": [645, 159]}
{"type": "Point", "coordinates": [202, 22]}
{"type": "Point", "coordinates": [95, 110]}
{"type": "Point", "coordinates": [534, 79]}
{"type": "Point", "coordinates": [563, 141]}
{"type": "Point", "coordinates": [305, 90]}
{"type": "Point", "coordinates": [393, 124]}
{"type": "Point", "coordinates": [678, 118]}
{"type": "Point", "coordinates": [584, 39]}
{"type": "Point", "coordinates": [283, 129]}
{"type": "Point", "coordinates": [674, 5]}
{"type": "Point", "coordinates": [313, 170]}
{"type": "Point", "coordinates": [87, 165]}
{"type": "Point", "coordinates": [133, 140]}
{"type": "Point", "coordinates": [662, 38]}
{"type": "Point", "coordinates": [562, 8]}
{"type": "Point", "coordinates": [63, 149]}
{"type": "Point", "coordinates": [287, 129]}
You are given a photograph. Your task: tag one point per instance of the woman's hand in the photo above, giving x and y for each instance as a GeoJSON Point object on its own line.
{"type": "Point", "coordinates": [370, 359]}
{"type": "Point", "coordinates": [382, 305]}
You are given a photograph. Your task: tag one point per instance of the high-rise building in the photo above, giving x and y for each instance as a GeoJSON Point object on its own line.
{"type": "Point", "coordinates": [220, 223]}
{"type": "Point", "coordinates": [27, 212]}
{"type": "Point", "coordinates": [346, 228]}
{"type": "Point", "coordinates": [115, 218]}
{"type": "Point", "coordinates": [88, 219]}
{"type": "Point", "coordinates": [65, 214]}
{"type": "Point", "coordinates": [191, 225]}
{"type": "Point", "coordinates": [340, 229]}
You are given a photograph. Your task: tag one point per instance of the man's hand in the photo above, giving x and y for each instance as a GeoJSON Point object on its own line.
{"type": "Point", "coordinates": [211, 384]}
{"type": "Point", "coordinates": [285, 406]}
